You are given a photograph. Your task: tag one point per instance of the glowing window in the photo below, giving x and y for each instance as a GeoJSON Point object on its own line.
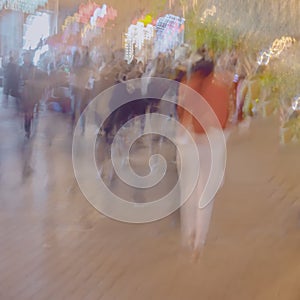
{"type": "Point", "coordinates": [36, 27]}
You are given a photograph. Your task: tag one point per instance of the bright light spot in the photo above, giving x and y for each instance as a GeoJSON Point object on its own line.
{"type": "Point", "coordinates": [278, 46]}
{"type": "Point", "coordinates": [296, 103]}
{"type": "Point", "coordinates": [39, 53]}
{"type": "Point", "coordinates": [208, 12]}
{"type": "Point", "coordinates": [36, 27]}
{"type": "Point", "coordinates": [135, 39]}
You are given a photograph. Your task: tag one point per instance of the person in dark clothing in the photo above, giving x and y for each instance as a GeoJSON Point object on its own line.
{"type": "Point", "coordinates": [11, 79]}
{"type": "Point", "coordinates": [33, 83]}
{"type": "Point", "coordinates": [122, 112]}
{"type": "Point", "coordinates": [79, 79]}
{"type": "Point", "coordinates": [27, 75]}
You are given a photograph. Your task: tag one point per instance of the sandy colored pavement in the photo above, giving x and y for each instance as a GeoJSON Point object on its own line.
{"type": "Point", "coordinates": [54, 245]}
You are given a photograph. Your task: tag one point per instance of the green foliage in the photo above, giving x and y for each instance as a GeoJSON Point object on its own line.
{"type": "Point", "coordinates": [191, 24]}
{"type": "Point", "coordinates": [288, 83]}
{"type": "Point", "coordinates": [217, 38]}
{"type": "Point", "coordinates": [158, 8]}
{"type": "Point", "coordinates": [269, 79]}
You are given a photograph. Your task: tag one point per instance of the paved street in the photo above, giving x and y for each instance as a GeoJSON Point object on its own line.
{"type": "Point", "coordinates": [55, 245]}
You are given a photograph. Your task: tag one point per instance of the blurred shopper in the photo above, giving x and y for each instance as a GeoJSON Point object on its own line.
{"type": "Point", "coordinates": [27, 75]}
{"type": "Point", "coordinates": [79, 81]}
{"type": "Point", "coordinates": [33, 83]}
{"type": "Point", "coordinates": [240, 95]}
{"type": "Point", "coordinates": [11, 78]}
{"type": "Point", "coordinates": [203, 80]}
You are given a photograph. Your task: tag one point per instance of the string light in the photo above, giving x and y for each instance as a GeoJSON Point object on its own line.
{"type": "Point", "coordinates": [167, 34]}
{"type": "Point", "coordinates": [208, 12]}
{"type": "Point", "coordinates": [92, 14]}
{"type": "Point", "coordinates": [135, 39]}
{"type": "Point", "coordinates": [296, 103]}
{"type": "Point", "coordinates": [277, 47]}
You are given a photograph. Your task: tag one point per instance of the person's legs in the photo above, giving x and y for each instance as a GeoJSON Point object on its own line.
{"type": "Point", "coordinates": [189, 208]}
{"type": "Point", "coordinates": [79, 104]}
{"type": "Point", "coordinates": [187, 221]}
{"type": "Point", "coordinates": [28, 108]}
{"type": "Point", "coordinates": [239, 102]}
{"type": "Point", "coordinates": [203, 215]}
{"type": "Point", "coordinates": [5, 89]}
{"type": "Point", "coordinates": [73, 103]}
{"type": "Point", "coordinates": [14, 88]}
{"type": "Point", "coordinates": [27, 124]}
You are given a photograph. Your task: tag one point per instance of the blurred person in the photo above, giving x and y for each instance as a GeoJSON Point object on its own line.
{"type": "Point", "coordinates": [242, 70]}
{"type": "Point", "coordinates": [27, 75]}
{"type": "Point", "coordinates": [207, 83]}
{"type": "Point", "coordinates": [240, 95]}
{"type": "Point", "coordinates": [125, 112]}
{"type": "Point", "coordinates": [11, 79]}
{"type": "Point", "coordinates": [79, 78]}
{"type": "Point", "coordinates": [32, 86]}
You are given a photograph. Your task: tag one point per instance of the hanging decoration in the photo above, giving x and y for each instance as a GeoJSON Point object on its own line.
{"type": "Point", "coordinates": [169, 33]}
{"type": "Point", "coordinates": [70, 22]}
{"type": "Point", "coordinates": [100, 12]}
{"type": "Point", "coordinates": [89, 21]}
{"type": "Point", "coordinates": [277, 47]}
{"type": "Point", "coordinates": [110, 15]}
{"type": "Point", "coordinates": [91, 14]}
{"type": "Point", "coordinates": [86, 11]}
{"type": "Point", "coordinates": [135, 39]}
{"type": "Point", "coordinates": [147, 37]}
{"type": "Point", "coordinates": [147, 20]}
{"type": "Point", "coordinates": [71, 29]}
{"type": "Point", "coordinates": [26, 6]}
{"type": "Point", "coordinates": [98, 21]}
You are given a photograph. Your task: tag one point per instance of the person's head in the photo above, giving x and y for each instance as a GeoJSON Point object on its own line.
{"type": "Point", "coordinates": [202, 50]}
{"type": "Point", "coordinates": [204, 67]}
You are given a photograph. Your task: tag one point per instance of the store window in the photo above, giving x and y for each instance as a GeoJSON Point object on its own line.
{"type": "Point", "coordinates": [36, 31]}
{"type": "Point", "coordinates": [37, 27]}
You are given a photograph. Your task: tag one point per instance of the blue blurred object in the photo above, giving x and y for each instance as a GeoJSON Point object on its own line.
{"type": "Point", "coordinates": [55, 107]}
